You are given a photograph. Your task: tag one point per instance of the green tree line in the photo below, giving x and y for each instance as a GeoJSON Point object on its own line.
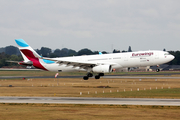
{"type": "Point", "coordinates": [47, 52]}
{"type": "Point", "coordinates": [5, 57]}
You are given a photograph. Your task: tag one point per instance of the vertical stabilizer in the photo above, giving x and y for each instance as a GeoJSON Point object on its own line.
{"type": "Point", "coordinates": [22, 45]}
{"type": "Point", "coordinates": [29, 54]}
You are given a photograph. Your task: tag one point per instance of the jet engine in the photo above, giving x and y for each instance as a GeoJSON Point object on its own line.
{"type": "Point", "coordinates": [102, 69]}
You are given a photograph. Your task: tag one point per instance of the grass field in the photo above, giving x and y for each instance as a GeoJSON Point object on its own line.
{"type": "Point", "coordinates": [87, 112]}
{"type": "Point", "coordinates": [115, 88]}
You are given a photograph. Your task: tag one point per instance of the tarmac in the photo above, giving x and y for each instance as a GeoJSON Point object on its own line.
{"type": "Point", "coordinates": [87, 100]}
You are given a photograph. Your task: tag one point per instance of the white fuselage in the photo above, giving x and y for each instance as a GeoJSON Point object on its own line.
{"type": "Point", "coordinates": [116, 60]}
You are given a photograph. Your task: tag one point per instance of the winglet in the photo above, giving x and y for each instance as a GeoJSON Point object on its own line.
{"type": "Point", "coordinates": [21, 43]}
{"type": "Point", "coordinates": [100, 53]}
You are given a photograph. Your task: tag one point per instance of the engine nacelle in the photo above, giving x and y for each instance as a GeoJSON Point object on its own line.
{"type": "Point", "coordinates": [102, 69]}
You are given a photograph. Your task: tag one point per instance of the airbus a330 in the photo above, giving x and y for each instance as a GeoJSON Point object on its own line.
{"type": "Point", "coordinates": [92, 64]}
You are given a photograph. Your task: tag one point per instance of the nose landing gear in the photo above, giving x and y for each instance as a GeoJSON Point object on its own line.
{"type": "Point", "coordinates": [157, 70]}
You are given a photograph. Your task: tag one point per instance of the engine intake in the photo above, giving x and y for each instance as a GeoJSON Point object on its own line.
{"type": "Point", "coordinates": [102, 69]}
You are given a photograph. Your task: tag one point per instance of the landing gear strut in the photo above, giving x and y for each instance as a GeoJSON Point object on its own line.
{"type": "Point", "coordinates": [89, 74]}
{"type": "Point", "coordinates": [157, 70]}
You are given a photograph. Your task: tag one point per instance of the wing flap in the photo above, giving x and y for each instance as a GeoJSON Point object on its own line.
{"type": "Point", "coordinates": [80, 64]}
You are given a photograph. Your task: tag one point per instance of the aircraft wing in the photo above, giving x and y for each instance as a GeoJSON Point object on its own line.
{"type": "Point", "coordinates": [81, 64]}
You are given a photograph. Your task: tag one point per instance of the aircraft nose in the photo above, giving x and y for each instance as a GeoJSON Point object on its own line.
{"type": "Point", "coordinates": [172, 57]}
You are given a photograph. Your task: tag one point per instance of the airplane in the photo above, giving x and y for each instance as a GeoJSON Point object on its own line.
{"type": "Point", "coordinates": [99, 64]}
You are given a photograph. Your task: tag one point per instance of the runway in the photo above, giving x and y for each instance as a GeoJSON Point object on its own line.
{"type": "Point", "coordinates": [107, 76]}
{"type": "Point", "coordinates": [86, 100]}
{"type": "Point", "coordinates": [141, 77]}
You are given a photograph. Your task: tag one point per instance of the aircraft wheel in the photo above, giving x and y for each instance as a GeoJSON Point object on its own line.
{"type": "Point", "coordinates": [85, 77]}
{"type": "Point", "coordinates": [157, 70]}
{"type": "Point", "coordinates": [97, 77]}
{"type": "Point", "coordinates": [101, 74]}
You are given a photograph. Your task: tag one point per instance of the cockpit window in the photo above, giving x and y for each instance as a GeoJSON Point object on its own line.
{"type": "Point", "coordinates": [166, 53]}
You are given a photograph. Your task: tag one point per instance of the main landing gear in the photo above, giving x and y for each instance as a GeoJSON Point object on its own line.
{"type": "Point", "coordinates": [87, 76]}
{"type": "Point", "coordinates": [90, 75]}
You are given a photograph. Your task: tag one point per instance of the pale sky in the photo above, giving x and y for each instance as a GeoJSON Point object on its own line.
{"type": "Point", "coordinates": [95, 24]}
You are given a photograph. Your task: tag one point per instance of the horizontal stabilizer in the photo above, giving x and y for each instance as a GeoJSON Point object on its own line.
{"type": "Point", "coordinates": [28, 63]}
{"type": "Point", "coordinates": [12, 61]}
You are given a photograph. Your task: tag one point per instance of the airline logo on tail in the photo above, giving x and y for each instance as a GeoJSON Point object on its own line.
{"type": "Point", "coordinates": [29, 54]}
